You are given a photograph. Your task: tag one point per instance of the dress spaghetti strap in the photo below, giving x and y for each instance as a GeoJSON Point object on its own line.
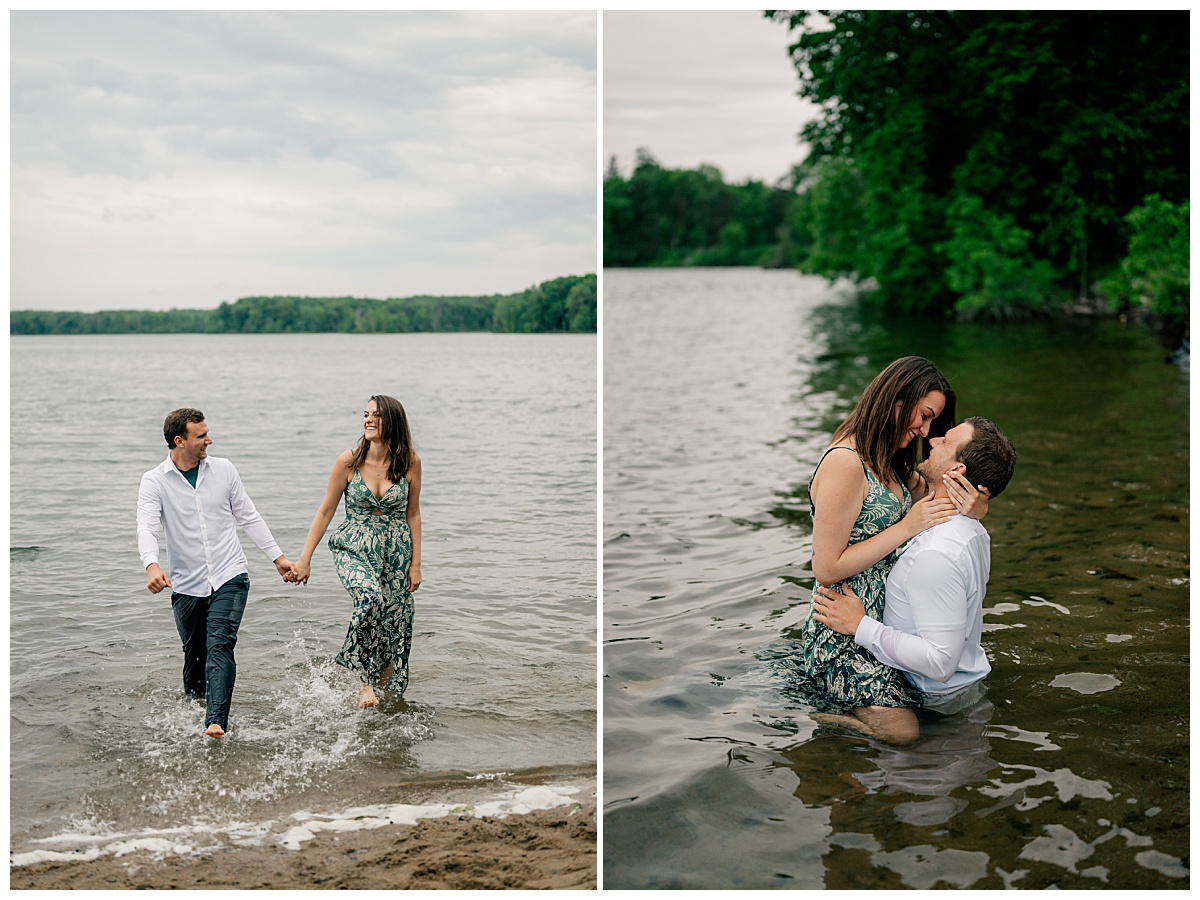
{"type": "Point", "coordinates": [811, 508]}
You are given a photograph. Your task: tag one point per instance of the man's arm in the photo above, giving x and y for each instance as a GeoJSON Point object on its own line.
{"type": "Point", "coordinates": [149, 521]}
{"type": "Point", "coordinates": [937, 598]}
{"type": "Point", "coordinates": [252, 523]}
{"type": "Point", "coordinates": [938, 602]}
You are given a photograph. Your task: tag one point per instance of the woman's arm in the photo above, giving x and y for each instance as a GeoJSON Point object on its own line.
{"type": "Point", "coordinates": [970, 501]}
{"type": "Point", "coordinates": [413, 514]}
{"type": "Point", "coordinates": [837, 495]}
{"type": "Point", "coordinates": [967, 499]}
{"type": "Point", "coordinates": [338, 479]}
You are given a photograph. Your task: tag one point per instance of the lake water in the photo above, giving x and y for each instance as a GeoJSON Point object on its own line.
{"type": "Point", "coordinates": [104, 747]}
{"type": "Point", "coordinates": [721, 389]}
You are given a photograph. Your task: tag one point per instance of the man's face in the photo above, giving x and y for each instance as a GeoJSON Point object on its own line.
{"type": "Point", "coordinates": [942, 452]}
{"type": "Point", "coordinates": [194, 447]}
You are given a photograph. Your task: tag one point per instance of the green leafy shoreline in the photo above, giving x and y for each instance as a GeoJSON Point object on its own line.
{"type": "Point", "coordinates": [971, 164]}
{"type": "Point", "coordinates": [566, 304]}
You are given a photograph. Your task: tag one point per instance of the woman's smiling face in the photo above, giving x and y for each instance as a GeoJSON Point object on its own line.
{"type": "Point", "coordinates": [372, 422]}
{"type": "Point", "coordinates": [928, 408]}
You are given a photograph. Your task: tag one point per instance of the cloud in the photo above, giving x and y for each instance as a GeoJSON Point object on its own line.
{"type": "Point", "coordinates": [189, 158]}
{"type": "Point", "coordinates": [702, 87]}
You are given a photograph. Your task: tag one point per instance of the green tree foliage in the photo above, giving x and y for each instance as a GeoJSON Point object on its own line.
{"type": "Point", "coordinates": [562, 304]}
{"type": "Point", "coordinates": [984, 160]}
{"type": "Point", "coordinates": [991, 262]}
{"type": "Point", "coordinates": [829, 217]}
{"type": "Point", "coordinates": [665, 217]}
{"type": "Point", "coordinates": [1155, 272]}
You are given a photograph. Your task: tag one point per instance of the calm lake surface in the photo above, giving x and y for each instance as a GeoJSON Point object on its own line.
{"type": "Point", "coordinates": [503, 672]}
{"type": "Point", "coordinates": [722, 387]}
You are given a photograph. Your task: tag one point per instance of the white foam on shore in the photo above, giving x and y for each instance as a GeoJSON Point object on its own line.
{"type": "Point", "coordinates": [183, 841]}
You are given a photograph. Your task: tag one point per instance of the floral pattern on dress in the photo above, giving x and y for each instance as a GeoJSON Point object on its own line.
{"type": "Point", "coordinates": [849, 674]}
{"type": "Point", "coordinates": [372, 550]}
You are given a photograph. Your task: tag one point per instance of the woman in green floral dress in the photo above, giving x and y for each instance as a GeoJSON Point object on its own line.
{"type": "Point", "coordinates": [867, 500]}
{"type": "Point", "coordinates": [377, 549]}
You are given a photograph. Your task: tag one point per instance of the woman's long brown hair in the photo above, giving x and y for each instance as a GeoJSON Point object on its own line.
{"type": "Point", "coordinates": [877, 426]}
{"type": "Point", "coordinates": [393, 426]}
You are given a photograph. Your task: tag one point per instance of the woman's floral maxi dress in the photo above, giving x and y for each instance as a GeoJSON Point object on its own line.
{"type": "Point", "coordinates": [849, 674]}
{"type": "Point", "coordinates": [372, 551]}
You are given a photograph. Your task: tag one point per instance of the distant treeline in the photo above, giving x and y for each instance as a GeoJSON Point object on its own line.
{"type": "Point", "coordinates": [975, 162]}
{"type": "Point", "coordinates": [561, 305]}
{"type": "Point", "coordinates": [691, 217]}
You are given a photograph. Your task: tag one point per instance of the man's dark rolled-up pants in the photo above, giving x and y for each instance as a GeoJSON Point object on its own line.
{"type": "Point", "coordinates": [208, 627]}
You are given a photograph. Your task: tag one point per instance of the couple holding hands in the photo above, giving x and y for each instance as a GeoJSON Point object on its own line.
{"type": "Point", "coordinates": [199, 502]}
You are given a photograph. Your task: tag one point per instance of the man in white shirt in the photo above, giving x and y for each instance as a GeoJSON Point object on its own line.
{"type": "Point", "coordinates": [933, 616]}
{"type": "Point", "coordinates": [199, 501]}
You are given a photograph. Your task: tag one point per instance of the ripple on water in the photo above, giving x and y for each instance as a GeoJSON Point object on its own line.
{"type": "Point", "coordinates": [1086, 682]}
{"type": "Point", "coordinates": [1071, 556]}
{"type": "Point", "coordinates": [100, 730]}
{"type": "Point", "coordinates": [924, 867]}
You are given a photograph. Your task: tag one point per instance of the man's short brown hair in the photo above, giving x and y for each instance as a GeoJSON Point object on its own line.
{"type": "Point", "coordinates": [989, 456]}
{"type": "Point", "coordinates": [177, 422]}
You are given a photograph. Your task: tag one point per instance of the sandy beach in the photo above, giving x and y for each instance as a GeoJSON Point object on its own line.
{"type": "Point", "coordinates": [544, 849]}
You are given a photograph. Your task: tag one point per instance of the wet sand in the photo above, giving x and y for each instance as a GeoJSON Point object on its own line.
{"type": "Point", "coordinates": [546, 849]}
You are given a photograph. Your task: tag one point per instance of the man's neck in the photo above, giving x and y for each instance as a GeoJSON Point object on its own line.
{"type": "Point", "coordinates": [182, 463]}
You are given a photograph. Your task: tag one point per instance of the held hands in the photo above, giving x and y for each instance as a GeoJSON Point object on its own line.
{"type": "Point", "coordinates": [414, 576]}
{"type": "Point", "coordinates": [156, 578]}
{"type": "Point", "coordinates": [840, 611]}
{"type": "Point", "coordinates": [301, 571]}
{"type": "Point", "coordinates": [927, 512]}
{"type": "Point", "coordinates": [967, 499]}
{"type": "Point", "coordinates": [285, 568]}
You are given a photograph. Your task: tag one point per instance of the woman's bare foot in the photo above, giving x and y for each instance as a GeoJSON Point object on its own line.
{"type": "Point", "coordinates": [385, 677]}
{"type": "Point", "coordinates": [366, 697]}
{"type": "Point", "coordinates": [214, 730]}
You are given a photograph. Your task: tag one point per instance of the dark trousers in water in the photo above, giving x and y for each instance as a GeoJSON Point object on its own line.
{"type": "Point", "coordinates": [208, 627]}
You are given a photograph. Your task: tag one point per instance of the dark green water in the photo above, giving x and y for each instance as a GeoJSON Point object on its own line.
{"type": "Point", "coordinates": [1074, 772]}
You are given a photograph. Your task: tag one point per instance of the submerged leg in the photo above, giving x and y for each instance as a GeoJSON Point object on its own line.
{"type": "Point", "coordinates": [896, 725]}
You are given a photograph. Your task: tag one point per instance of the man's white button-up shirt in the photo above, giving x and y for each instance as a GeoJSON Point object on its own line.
{"type": "Point", "coordinates": [933, 617]}
{"type": "Point", "coordinates": [203, 551]}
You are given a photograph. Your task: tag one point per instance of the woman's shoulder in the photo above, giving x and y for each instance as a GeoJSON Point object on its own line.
{"type": "Point", "coordinates": [414, 466]}
{"type": "Point", "coordinates": [840, 466]}
{"type": "Point", "coordinates": [842, 459]}
{"type": "Point", "coordinates": [345, 463]}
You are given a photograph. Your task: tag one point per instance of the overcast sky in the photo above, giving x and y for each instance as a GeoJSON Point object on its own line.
{"type": "Point", "coordinates": [181, 159]}
{"type": "Point", "coordinates": [702, 87]}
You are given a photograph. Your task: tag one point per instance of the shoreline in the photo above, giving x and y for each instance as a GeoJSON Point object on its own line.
{"type": "Point", "coordinates": [536, 837]}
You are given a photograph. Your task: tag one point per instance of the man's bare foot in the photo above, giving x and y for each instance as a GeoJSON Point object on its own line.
{"type": "Point", "coordinates": [366, 697]}
{"type": "Point", "coordinates": [214, 730]}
